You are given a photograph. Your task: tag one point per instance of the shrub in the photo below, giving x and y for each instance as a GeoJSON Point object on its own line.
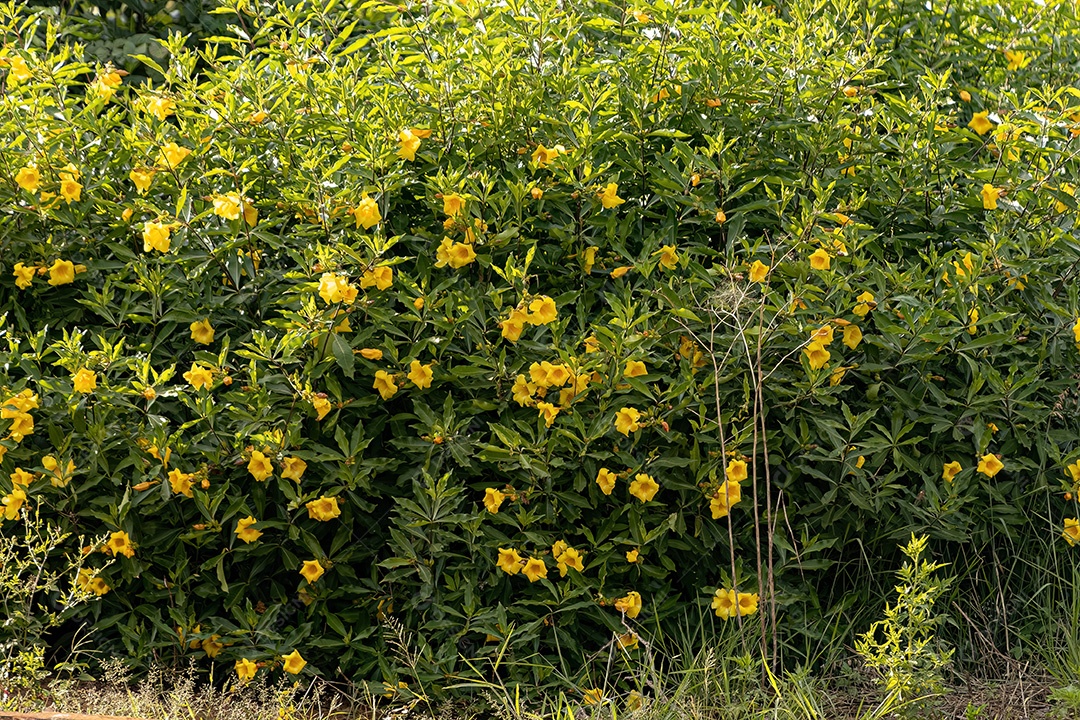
{"type": "Point", "coordinates": [534, 326]}
{"type": "Point", "coordinates": [903, 648]}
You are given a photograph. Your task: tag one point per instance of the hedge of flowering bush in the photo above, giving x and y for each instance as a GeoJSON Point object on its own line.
{"type": "Point", "coordinates": [534, 329]}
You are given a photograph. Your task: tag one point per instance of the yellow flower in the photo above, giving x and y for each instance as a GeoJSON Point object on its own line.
{"type": "Point", "coordinates": [126, 215]}
{"type": "Point", "coordinates": [630, 604]}
{"type": "Point", "coordinates": [142, 179]}
{"type": "Point", "coordinates": [542, 311]}
{"type": "Point", "coordinates": [323, 509]}
{"type": "Point", "coordinates": [522, 391]}
{"type": "Point", "coordinates": [260, 466]}
{"type": "Point", "coordinates": [312, 570]}
{"type": "Point", "coordinates": [156, 236]}
{"type": "Point", "coordinates": [199, 376]}
{"type": "Point", "coordinates": [547, 412]}
{"type": "Point", "coordinates": [453, 204]}
{"type": "Point", "coordinates": [1076, 330]}
{"type": "Point", "coordinates": [864, 304]}
{"type": "Point", "coordinates": [817, 354]}
{"type": "Point", "coordinates": [371, 353]}
{"type": "Point", "coordinates": [1017, 59]}
{"type": "Point", "coordinates": [536, 193]}
{"type": "Point", "coordinates": [245, 669]}
{"type": "Point", "coordinates": [950, 470]}
{"type": "Point", "coordinates": [24, 401]}
{"type": "Point", "coordinates": [852, 336]}
{"type": "Point", "coordinates": [212, 647]}
{"type": "Point", "coordinates": [28, 178]}
{"type": "Point", "coordinates": [384, 383]}
{"type": "Point", "coordinates": [13, 502]}
{"type": "Point", "coordinates": [747, 603]}
{"type": "Point", "coordinates": [18, 72]}
{"type": "Point", "coordinates": [62, 272]}
{"type": "Point", "coordinates": [620, 271]}
{"type": "Point", "coordinates": [965, 96]}
{"type": "Point", "coordinates": [973, 319]}
{"type": "Point", "coordinates": [1071, 531]}
{"type": "Point", "coordinates": [333, 288]}
{"type": "Point", "coordinates": [366, 213]}
{"type": "Point", "coordinates": [292, 468]}
{"type": "Point", "coordinates": [105, 85]}
{"type": "Point", "coordinates": [606, 480]}
{"type": "Point", "coordinates": [180, 482]}
{"type": "Point", "coordinates": [990, 465]}
{"type": "Point", "coordinates": [172, 155]}
{"type": "Point", "coordinates": [592, 697]}
{"type": "Point", "coordinates": [726, 496]}
{"type": "Point", "coordinates": [419, 374]}
{"type": "Point", "coordinates": [990, 195]}
{"type": "Point", "coordinates": [493, 499]}
{"type": "Point", "coordinates": [460, 255]}
{"type": "Point", "coordinates": [22, 424]}
{"type": "Point", "coordinates": [632, 555]}
{"type": "Point", "coordinates": [669, 259]}
{"type": "Point", "coordinates": [626, 420]}
{"type": "Point", "coordinates": [634, 368]}
{"type": "Point", "coordinates": [725, 603]}
{"type": "Point", "coordinates": [837, 375]}
{"type": "Point", "coordinates": [160, 107]}
{"type": "Point", "coordinates": [408, 145]}
{"type": "Point", "coordinates": [569, 558]}
{"type": "Point", "coordinates": [202, 332]}
{"type": "Point", "coordinates": [513, 326]}
{"type": "Point", "coordinates": [590, 258]}
{"type": "Point", "coordinates": [84, 380]}
{"type": "Point", "coordinates": [644, 487]}
{"type": "Point", "coordinates": [534, 569]}
{"type": "Point", "coordinates": [228, 205]}
{"type": "Point", "coordinates": [87, 581]}
{"type": "Point", "coordinates": [736, 471]}
{"type": "Point", "coordinates": [293, 663]}
{"type": "Point", "coordinates": [758, 271]}
{"type": "Point", "coordinates": [721, 217]}
{"type": "Point", "coordinates": [823, 335]}
{"type": "Point", "coordinates": [442, 253]}
{"type": "Point", "coordinates": [1074, 471]}
{"type": "Point", "coordinates": [860, 461]}
{"type": "Point", "coordinates": [980, 122]}
{"type": "Point", "coordinates": [24, 478]}
{"type": "Point", "coordinates": [24, 276]}
{"type": "Point", "coordinates": [542, 156]}
{"type": "Point", "coordinates": [70, 189]}
{"type": "Point", "coordinates": [819, 259]}
{"type": "Point", "coordinates": [509, 561]}
{"type": "Point", "coordinates": [380, 277]}
{"type": "Point", "coordinates": [120, 544]}
{"type": "Point", "coordinates": [609, 198]}
{"type": "Point", "coordinates": [321, 406]}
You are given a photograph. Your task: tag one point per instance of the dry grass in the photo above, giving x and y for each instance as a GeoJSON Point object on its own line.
{"type": "Point", "coordinates": [170, 695]}
{"type": "Point", "coordinates": [1023, 694]}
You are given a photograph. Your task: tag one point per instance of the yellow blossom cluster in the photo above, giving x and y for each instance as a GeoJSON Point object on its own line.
{"type": "Point", "coordinates": [541, 310]}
